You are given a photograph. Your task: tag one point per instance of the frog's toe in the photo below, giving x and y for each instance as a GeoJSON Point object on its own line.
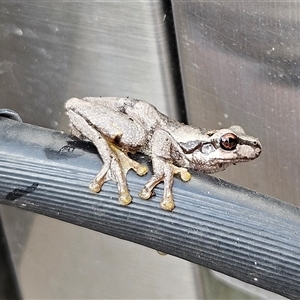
{"type": "Point", "coordinates": [125, 198]}
{"type": "Point", "coordinates": [185, 176]}
{"type": "Point", "coordinates": [95, 187]}
{"type": "Point", "coordinates": [167, 203]}
{"type": "Point", "coordinates": [141, 170]}
{"type": "Point", "coordinates": [145, 193]}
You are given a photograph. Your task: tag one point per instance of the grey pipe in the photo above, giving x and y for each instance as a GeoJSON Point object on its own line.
{"type": "Point", "coordinates": [230, 229]}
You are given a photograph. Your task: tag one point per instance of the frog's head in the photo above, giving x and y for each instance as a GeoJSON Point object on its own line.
{"type": "Point", "coordinates": [218, 149]}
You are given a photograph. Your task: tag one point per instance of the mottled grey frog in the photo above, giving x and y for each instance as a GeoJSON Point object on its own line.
{"type": "Point", "coordinates": [118, 126]}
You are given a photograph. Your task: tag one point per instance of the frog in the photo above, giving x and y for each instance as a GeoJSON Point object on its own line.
{"type": "Point", "coordinates": [121, 126]}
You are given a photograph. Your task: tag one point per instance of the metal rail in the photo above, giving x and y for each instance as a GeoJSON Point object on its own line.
{"type": "Point", "coordinates": [225, 227]}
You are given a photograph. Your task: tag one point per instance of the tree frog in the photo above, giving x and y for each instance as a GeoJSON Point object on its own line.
{"type": "Point", "coordinates": [118, 126]}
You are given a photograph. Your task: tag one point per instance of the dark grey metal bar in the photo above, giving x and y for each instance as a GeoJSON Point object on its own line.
{"type": "Point", "coordinates": [9, 288]}
{"type": "Point", "coordinates": [222, 226]}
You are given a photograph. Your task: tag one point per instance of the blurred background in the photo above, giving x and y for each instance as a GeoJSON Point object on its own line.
{"type": "Point", "coordinates": [210, 63]}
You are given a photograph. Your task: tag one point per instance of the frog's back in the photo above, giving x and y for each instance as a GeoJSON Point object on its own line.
{"type": "Point", "coordinates": [143, 112]}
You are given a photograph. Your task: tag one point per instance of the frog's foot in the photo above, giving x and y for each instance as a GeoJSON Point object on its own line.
{"type": "Point", "coordinates": [164, 171]}
{"type": "Point", "coordinates": [147, 190]}
{"type": "Point", "coordinates": [124, 196]}
{"type": "Point", "coordinates": [112, 171]}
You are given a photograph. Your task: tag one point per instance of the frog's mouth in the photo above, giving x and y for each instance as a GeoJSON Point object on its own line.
{"type": "Point", "coordinates": [224, 163]}
{"type": "Point", "coordinates": [217, 165]}
{"type": "Point", "coordinates": [214, 167]}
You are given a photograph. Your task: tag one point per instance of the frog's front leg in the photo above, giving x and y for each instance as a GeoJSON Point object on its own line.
{"type": "Point", "coordinates": [163, 169]}
{"type": "Point", "coordinates": [116, 162]}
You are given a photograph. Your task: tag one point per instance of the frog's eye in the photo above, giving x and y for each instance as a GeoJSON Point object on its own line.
{"type": "Point", "coordinates": [228, 141]}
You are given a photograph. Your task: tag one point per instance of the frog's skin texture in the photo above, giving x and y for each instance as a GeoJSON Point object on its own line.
{"type": "Point", "coordinates": [118, 126]}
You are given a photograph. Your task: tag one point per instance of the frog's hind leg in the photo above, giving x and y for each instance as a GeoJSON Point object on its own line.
{"type": "Point", "coordinates": [116, 168]}
{"type": "Point", "coordinates": [112, 170]}
{"type": "Point", "coordinates": [115, 162]}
